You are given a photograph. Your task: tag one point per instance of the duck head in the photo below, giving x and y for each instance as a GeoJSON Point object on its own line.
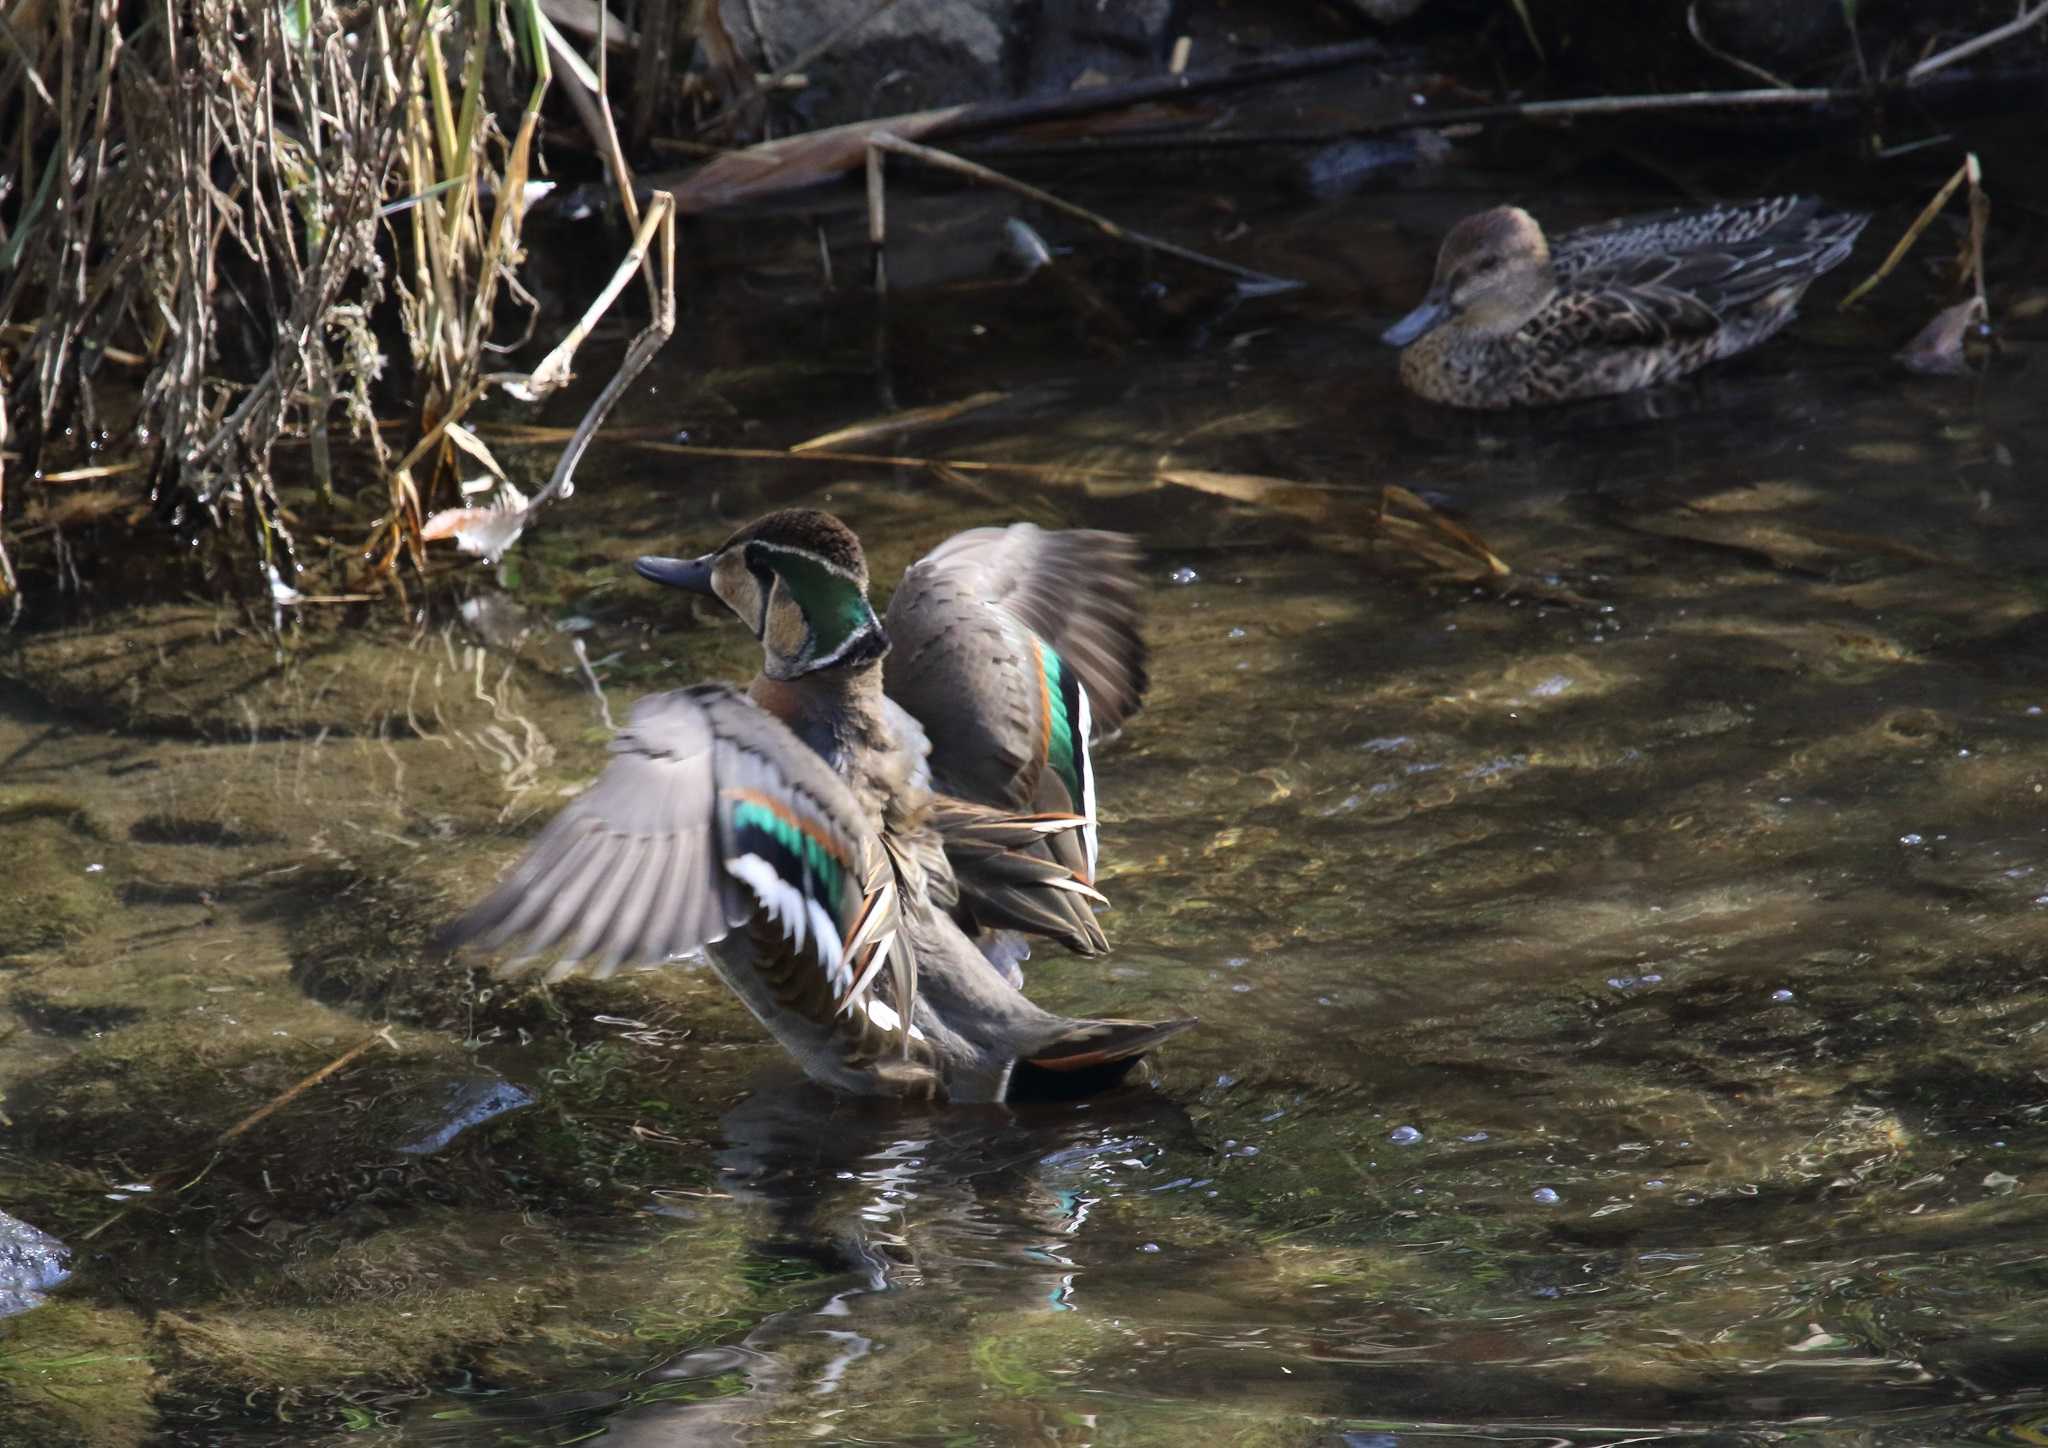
{"type": "Point", "coordinates": [798, 580]}
{"type": "Point", "coordinates": [1492, 274]}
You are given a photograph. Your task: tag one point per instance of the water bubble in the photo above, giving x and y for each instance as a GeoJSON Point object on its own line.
{"type": "Point", "coordinates": [1473, 1136]}
{"type": "Point", "coordinates": [1184, 576]}
{"type": "Point", "coordinates": [1226, 1080]}
{"type": "Point", "coordinates": [2033, 711]}
{"type": "Point", "coordinates": [1404, 1136]}
{"type": "Point", "coordinates": [1909, 839]}
{"type": "Point", "coordinates": [1236, 633]}
{"type": "Point", "coordinates": [1781, 994]}
{"type": "Point", "coordinates": [1544, 1195]}
{"type": "Point", "coordinates": [1149, 1247]}
{"type": "Point", "coordinates": [95, 869]}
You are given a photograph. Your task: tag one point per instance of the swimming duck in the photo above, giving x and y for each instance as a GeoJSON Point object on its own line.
{"type": "Point", "coordinates": [1512, 320]}
{"type": "Point", "coordinates": [859, 839]}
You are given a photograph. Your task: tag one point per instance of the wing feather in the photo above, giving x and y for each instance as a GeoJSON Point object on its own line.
{"type": "Point", "coordinates": [709, 815]}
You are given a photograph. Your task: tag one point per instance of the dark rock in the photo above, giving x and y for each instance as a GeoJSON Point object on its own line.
{"type": "Point", "coordinates": [920, 54]}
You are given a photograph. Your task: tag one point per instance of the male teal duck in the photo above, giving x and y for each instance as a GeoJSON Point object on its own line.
{"type": "Point", "coordinates": [858, 839]}
{"type": "Point", "coordinates": [1512, 320]}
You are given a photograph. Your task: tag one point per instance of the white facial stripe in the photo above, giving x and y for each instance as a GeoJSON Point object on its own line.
{"type": "Point", "coordinates": [825, 563]}
{"type": "Point", "coordinates": [859, 635]}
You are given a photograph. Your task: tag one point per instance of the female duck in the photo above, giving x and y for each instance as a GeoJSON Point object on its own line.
{"type": "Point", "coordinates": [1512, 320]}
{"type": "Point", "coordinates": [857, 840]}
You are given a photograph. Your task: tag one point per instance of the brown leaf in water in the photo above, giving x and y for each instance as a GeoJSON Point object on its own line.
{"type": "Point", "coordinates": [793, 161]}
{"type": "Point", "coordinates": [1459, 535]}
{"type": "Point", "coordinates": [1937, 351]}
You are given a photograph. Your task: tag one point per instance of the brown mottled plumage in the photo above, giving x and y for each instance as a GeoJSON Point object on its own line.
{"type": "Point", "coordinates": [1513, 320]}
{"type": "Point", "coordinates": [860, 910]}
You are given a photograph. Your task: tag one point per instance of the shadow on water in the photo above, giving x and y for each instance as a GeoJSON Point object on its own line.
{"type": "Point", "coordinates": [1623, 992]}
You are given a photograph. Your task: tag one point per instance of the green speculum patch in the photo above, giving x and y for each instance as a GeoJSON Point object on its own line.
{"type": "Point", "coordinates": [795, 853]}
{"type": "Point", "coordinates": [1062, 752]}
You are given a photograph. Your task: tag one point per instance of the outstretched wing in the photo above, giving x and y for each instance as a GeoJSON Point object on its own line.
{"type": "Point", "coordinates": [710, 815]}
{"type": "Point", "coordinates": [1016, 647]}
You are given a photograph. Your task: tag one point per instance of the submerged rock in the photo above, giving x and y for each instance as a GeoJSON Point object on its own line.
{"type": "Point", "coordinates": [446, 1112]}
{"type": "Point", "coordinates": [31, 1265]}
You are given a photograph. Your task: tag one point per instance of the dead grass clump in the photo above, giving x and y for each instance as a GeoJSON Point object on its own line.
{"type": "Point", "coordinates": [195, 199]}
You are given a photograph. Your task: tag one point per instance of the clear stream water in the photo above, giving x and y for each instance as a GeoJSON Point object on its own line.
{"type": "Point", "coordinates": [1622, 990]}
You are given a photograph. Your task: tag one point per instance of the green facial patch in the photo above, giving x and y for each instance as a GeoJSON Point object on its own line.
{"type": "Point", "coordinates": [832, 603]}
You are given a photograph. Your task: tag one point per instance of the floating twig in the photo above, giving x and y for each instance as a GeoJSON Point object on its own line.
{"type": "Point", "coordinates": [1443, 120]}
{"type": "Point", "coordinates": [904, 421]}
{"type": "Point", "coordinates": [1050, 472]}
{"type": "Point", "coordinates": [975, 171]}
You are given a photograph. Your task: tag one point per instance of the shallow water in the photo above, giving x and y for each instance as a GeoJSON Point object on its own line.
{"type": "Point", "coordinates": [1622, 989]}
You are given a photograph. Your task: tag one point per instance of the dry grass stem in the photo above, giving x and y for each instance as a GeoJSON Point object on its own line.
{"type": "Point", "coordinates": [1980, 210]}
{"type": "Point", "coordinates": [906, 421]}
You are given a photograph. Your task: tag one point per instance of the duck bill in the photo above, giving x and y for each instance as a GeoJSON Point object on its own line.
{"type": "Point", "coordinates": [692, 575]}
{"type": "Point", "coordinates": [1430, 314]}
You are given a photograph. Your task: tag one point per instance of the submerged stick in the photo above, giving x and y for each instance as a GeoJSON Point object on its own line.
{"type": "Point", "coordinates": [898, 422]}
{"type": "Point", "coordinates": [974, 171]}
{"type": "Point", "coordinates": [292, 1093]}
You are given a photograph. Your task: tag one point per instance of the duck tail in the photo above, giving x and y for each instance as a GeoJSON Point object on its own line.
{"type": "Point", "coordinates": [1084, 1057]}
